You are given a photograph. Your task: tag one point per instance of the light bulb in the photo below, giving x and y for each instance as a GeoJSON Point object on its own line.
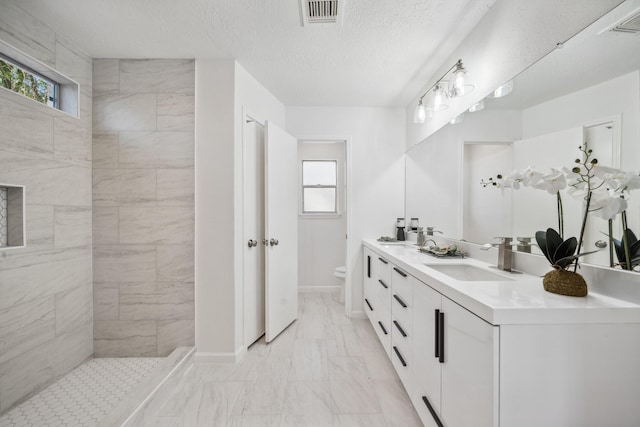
{"type": "Point", "coordinates": [458, 83]}
{"type": "Point", "coordinates": [477, 106]}
{"type": "Point", "coordinates": [457, 119]}
{"type": "Point", "coordinates": [503, 90]}
{"type": "Point", "coordinates": [420, 113]}
{"type": "Point", "coordinates": [437, 99]}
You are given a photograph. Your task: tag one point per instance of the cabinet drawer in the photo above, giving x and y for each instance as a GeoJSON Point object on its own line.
{"type": "Point", "coordinates": [401, 332]}
{"type": "Point", "coordinates": [401, 283]}
{"type": "Point", "coordinates": [424, 405]}
{"type": "Point", "coordinates": [382, 326]}
{"type": "Point", "coordinates": [383, 270]}
{"type": "Point", "coordinates": [384, 294]}
{"type": "Point", "coordinates": [401, 361]}
{"type": "Point", "coordinates": [402, 311]}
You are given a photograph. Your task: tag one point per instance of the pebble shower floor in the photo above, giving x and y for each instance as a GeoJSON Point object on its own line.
{"type": "Point", "coordinates": [84, 395]}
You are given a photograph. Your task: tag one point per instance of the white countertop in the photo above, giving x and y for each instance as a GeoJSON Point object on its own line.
{"type": "Point", "coordinates": [522, 300]}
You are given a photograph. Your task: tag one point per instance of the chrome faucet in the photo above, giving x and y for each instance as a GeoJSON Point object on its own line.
{"type": "Point", "coordinates": [429, 240]}
{"type": "Point", "coordinates": [505, 254]}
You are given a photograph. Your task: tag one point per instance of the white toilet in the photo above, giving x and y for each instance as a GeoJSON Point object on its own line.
{"type": "Point", "coordinates": [341, 273]}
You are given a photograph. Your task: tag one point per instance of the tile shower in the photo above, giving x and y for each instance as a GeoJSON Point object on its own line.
{"type": "Point", "coordinates": [108, 265]}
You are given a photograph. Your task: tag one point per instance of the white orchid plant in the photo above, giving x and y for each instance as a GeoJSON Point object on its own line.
{"type": "Point", "coordinates": [604, 189]}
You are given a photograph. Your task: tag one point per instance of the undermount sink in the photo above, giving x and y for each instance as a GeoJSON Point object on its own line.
{"type": "Point", "coordinates": [467, 272]}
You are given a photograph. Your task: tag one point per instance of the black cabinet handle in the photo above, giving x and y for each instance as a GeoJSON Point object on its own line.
{"type": "Point", "coordinates": [399, 356]}
{"type": "Point", "coordinates": [384, 285]}
{"type": "Point", "coordinates": [384, 261]}
{"type": "Point", "coordinates": [369, 266]}
{"type": "Point", "coordinates": [382, 327]}
{"type": "Point", "coordinates": [404, 334]}
{"type": "Point", "coordinates": [432, 411]}
{"type": "Point", "coordinates": [367, 301]}
{"type": "Point", "coordinates": [436, 334]}
{"type": "Point", "coordinates": [400, 272]}
{"type": "Point", "coordinates": [402, 303]}
{"type": "Point", "coordinates": [441, 336]}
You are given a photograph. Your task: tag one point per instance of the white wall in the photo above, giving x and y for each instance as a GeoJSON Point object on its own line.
{"type": "Point", "coordinates": [223, 91]}
{"type": "Point", "coordinates": [513, 35]}
{"type": "Point", "coordinates": [435, 167]}
{"type": "Point", "coordinates": [615, 97]}
{"type": "Point", "coordinates": [375, 172]}
{"type": "Point", "coordinates": [321, 238]}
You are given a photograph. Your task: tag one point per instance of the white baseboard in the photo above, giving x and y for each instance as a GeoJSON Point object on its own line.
{"type": "Point", "coordinates": [328, 288]}
{"type": "Point", "coordinates": [358, 315]}
{"type": "Point", "coordinates": [202, 357]}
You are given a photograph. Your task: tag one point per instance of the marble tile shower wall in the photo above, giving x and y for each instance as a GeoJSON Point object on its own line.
{"type": "Point", "coordinates": [143, 206]}
{"type": "Point", "coordinates": [46, 325]}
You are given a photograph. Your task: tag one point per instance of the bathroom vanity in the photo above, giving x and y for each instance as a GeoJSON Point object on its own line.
{"type": "Point", "coordinates": [476, 346]}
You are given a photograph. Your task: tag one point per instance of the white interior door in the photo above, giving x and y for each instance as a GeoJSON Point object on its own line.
{"type": "Point", "coordinates": [254, 250]}
{"type": "Point", "coordinates": [281, 230]}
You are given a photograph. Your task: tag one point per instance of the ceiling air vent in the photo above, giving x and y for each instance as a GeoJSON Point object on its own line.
{"type": "Point", "coordinates": [321, 12]}
{"type": "Point", "coordinates": [628, 25]}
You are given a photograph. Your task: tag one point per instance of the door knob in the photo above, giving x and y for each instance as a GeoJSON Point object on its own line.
{"type": "Point", "coordinates": [273, 242]}
{"type": "Point", "coordinates": [265, 242]}
{"type": "Point", "coordinates": [252, 243]}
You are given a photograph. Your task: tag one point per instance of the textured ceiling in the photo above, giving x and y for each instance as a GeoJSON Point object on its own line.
{"type": "Point", "coordinates": [383, 54]}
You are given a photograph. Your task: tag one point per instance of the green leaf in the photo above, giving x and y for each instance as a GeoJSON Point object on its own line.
{"type": "Point", "coordinates": [553, 242]}
{"type": "Point", "coordinates": [566, 248]}
{"type": "Point", "coordinates": [541, 239]}
{"type": "Point", "coordinates": [566, 262]}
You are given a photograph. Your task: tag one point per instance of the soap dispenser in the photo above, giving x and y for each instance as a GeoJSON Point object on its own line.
{"type": "Point", "coordinates": [421, 239]}
{"type": "Point", "coordinates": [400, 229]}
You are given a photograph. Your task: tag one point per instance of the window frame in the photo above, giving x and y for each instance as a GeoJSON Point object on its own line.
{"type": "Point", "coordinates": [52, 101]}
{"type": "Point", "coordinates": [335, 187]}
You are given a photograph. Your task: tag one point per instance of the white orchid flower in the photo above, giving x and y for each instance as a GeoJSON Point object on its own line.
{"type": "Point", "coordinates": [552, 182]}
{"type": "Point", "coordinates": [607, 205]}
{"type": "Point", "coordinates": [531, 177]}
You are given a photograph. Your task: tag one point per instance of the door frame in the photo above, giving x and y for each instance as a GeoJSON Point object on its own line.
{"type": "Point", "coordinates": [246, 115]}
{"type": "Point", "coordinates": [348, 285]}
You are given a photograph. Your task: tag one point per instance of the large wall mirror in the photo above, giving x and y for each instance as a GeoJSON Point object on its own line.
{"type": "Point", "coordinates": [587, 90]}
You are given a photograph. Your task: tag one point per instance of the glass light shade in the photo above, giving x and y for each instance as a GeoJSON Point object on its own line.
{"type": "Point", "coordinates": [436, 102]}
{"type": "Point", "coordinates": [503, 90]}
{"type": "Point", "coordinates": [457, 119]}
{"type": "Point", "coordinates": [477, 106]}
{"type": "Point", "coordinates": [420, 113]}
{"type": "Point", "coordinates": [459, 83]}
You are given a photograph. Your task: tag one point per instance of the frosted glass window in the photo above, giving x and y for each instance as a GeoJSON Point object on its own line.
{"type": "Point", "coordinates": [319, 172]}
{"type": "Point", "coordinates": [319, 186]}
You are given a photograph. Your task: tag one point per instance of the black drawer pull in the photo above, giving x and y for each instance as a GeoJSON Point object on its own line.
{"type": "Point", "coordinates": [404, 334]}
{"type": "Point", "coordinates": [384, 261]}
{"type": "Point", "coordinates": [384, 285]}
{"type": "Point", "coordinates": [369, 266]}
{"type": "Point", "coordinates": [400, 272]}
{"type": "Point", "coordinates": [399, 356]}
{"type": "Point", "coordinates": [436, 334]}
{"type": "Point", "coordinates": [441, 337]}
{"type": "Point", "coordinates": [367, 301]}
{"type": "Point", "coordinates": [432, 411]}
{"type": "Point", "coordinates": [402, 303]}
{"type": "Point", "coordinates": [382, 327]}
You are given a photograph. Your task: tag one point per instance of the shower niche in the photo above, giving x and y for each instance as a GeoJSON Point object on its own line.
{"type": "Point", "coordinates": [12, 216]}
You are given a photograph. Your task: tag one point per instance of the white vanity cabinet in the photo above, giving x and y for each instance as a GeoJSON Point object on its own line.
{"type": "Point", "coordinates": [402, 325]}
{"type": "Point", "coordinates": [369, 284]}
{"type": "Point", "coordinates": [455, 356]}
{"type": "Point", "coordinates": [503, 353]}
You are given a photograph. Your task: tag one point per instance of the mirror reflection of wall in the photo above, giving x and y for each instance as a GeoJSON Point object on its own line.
{"type": "Point", "coordinates": [589, 90]}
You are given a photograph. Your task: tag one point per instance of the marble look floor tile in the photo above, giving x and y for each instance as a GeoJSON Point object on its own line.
{"type": "Point", "coordinates": [359, 420]}
{"type": "Point", "coordinates": [293, 381]}
{"type": "Point", "coordinates": [309, 361]}
{"type": "Point", "coordinates": [396, 404]}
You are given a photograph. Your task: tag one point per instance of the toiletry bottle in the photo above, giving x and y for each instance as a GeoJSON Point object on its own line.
{"type": "Point", "coordinates": [400, 229]}
{"type": "Point", "coordinates": [414, 224]}
{"type": "Point", "coordinates": [421, 239]}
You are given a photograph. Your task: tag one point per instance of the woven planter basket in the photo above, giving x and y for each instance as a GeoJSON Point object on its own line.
{"type": "Point", "coordinates": [565, 282]}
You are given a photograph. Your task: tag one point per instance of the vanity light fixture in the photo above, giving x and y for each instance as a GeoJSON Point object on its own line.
{"type": "Point", "coordinates": [456, 86]}
{"type": "Point", "coordinates": [458, 119]}
{"type": "Point", "coordinates": [477, 106]}
{"type": "Point", "coordinates": [503, 90]}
